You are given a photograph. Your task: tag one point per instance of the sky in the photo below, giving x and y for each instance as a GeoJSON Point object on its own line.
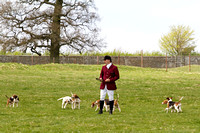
{"type": "Point", "coordinates": [135, 25]}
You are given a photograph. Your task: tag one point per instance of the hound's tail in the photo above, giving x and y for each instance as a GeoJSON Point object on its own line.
{"type": "Point", "coordinates": [117, 97]}
{"type": "Point", "coordinates": [71, 93]}
{"type": "Point", "coordinates": [60, 98]}
{"type": "Point", "coordinates": [180, 99]}
{"type": "Point", "coordinates": [7, 96]}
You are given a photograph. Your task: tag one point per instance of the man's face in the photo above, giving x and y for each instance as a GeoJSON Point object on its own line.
{"type": "Point", "coordinates": [107, 62]}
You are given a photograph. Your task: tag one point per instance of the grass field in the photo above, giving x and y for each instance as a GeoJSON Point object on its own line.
{"type": "Point", "coordinates": [141, 92]}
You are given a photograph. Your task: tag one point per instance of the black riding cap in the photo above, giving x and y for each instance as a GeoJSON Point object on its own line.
{"type": "Point", "coordinates": [107, 57]}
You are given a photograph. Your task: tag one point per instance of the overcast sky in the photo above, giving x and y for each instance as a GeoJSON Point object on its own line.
{"type": "Point", "coordinates": [134, 25]}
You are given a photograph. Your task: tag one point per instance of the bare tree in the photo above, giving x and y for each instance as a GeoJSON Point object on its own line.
{"type": "Point", "coordinates": [49, 24]}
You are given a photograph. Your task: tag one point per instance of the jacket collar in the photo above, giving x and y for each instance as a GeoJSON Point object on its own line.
{"type": "Point", "coordinates": [109, 65]}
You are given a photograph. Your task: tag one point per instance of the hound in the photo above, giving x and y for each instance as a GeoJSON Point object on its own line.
{"type": "Point", "coordinates": [106, 104]}
{"type": "Point", "coordinates": [116, 104]}
{"type": "Point", "coordinates": [66, 100]}
{"type": "Point", "coordinates": [96, 103]}
{"type": "Point", "coordinates": [174, 106]}
{"type": "Point", "coordinates": [12, 101]}
{"type": "Point", "coordinates": [75, 101]}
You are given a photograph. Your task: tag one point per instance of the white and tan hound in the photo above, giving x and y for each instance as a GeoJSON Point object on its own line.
{"type": "Point", "coordinates": [66, 100]}
{"type": "Point", "coordinates": [75, 101]}
{"type": "Point", "coordinates": [96, 103]}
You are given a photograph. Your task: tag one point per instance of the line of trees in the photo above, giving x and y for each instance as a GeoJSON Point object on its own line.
{"type": "Point", "coordinates": [39, 25]}
{"type": "Point", "coordinates": [111, 53]}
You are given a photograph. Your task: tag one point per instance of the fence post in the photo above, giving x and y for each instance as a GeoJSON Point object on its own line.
{"type": "Point", "coordinates": [141, 58]}
{"type": "Point", "coordinates": [166, 62]}
{"type": "Point", "coordinates": [97, 60]}
{"type": "Point", "coordinates": [119, 59]}
{"type": "Point", "coordinates": [189, 63]}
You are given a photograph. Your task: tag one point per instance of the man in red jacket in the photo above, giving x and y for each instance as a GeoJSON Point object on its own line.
{"type": "Point", "coordinates": [109, 74]}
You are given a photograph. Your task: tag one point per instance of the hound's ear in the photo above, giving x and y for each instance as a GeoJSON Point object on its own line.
{"type": "Point", "coordinates": [171, 97]}
{"type": "Point", "coordinates": [167, 98]}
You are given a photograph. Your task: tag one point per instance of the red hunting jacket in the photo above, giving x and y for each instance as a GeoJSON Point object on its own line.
{"type": "Point", "coordinates": [112, 73]}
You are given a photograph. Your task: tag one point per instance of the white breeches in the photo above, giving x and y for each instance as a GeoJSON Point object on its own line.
{"type": "Point", "coordinates": [109, 92]}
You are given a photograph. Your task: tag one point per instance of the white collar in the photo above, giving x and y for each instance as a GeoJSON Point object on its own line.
{"type": "Point", "coordinates": [108, 66]}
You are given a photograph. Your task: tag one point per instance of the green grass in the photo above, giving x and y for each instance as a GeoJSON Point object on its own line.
{"type": "Point", "coordinates": [193, 69]}
{"type": "Point", "coordinates": [141, 92]}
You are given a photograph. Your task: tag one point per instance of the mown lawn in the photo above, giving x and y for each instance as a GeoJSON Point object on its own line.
{"type": "Point", "coordinates": [141, 92]}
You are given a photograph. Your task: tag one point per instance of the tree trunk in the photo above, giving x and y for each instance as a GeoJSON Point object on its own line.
{"type": "Point", "coordinates": [55, 36]}
{"type": "Point", "coordinates": [54, 53]}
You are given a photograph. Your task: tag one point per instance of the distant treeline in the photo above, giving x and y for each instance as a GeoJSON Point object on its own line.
{"type": "Point", "coordinates": [111, 53]}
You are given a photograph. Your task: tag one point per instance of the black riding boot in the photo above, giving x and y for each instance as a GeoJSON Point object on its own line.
{"type": "Point", "coordinates": [111, 107]}
{"type": "Point", "coordinates": [101, 107]}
